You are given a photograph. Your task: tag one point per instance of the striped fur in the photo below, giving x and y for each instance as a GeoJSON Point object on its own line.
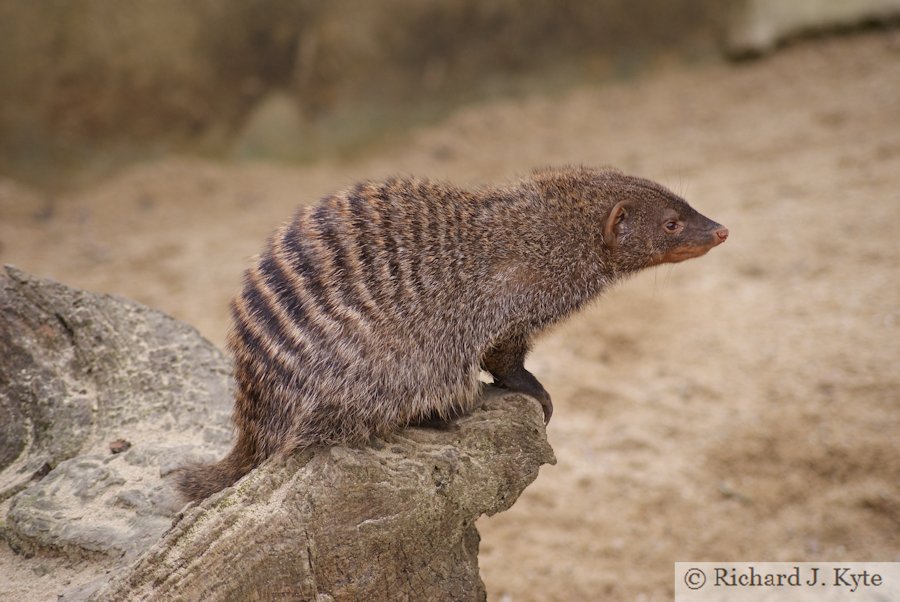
{"type": "Point", "coordinates": [378, 306]}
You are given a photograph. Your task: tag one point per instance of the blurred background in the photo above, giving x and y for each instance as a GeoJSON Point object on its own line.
{"type": "Point", "coordinates": [89, 86]}
{"type": "Point", "coordinates": [740, 406]}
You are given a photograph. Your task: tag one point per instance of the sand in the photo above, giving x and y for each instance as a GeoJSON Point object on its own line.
{"type": "Point", "coordinates": [742, 406]}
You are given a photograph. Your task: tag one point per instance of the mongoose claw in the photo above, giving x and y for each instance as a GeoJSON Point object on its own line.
{"type": "Point", "coordinates": [547, 406]}
{"type": "Point", "coordinates": [529, 385]}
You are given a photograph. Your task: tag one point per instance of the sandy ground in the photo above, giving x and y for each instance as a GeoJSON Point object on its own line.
{"type": "Point", "coordinates": [743, 406]}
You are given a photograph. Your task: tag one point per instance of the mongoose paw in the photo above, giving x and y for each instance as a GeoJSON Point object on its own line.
{"type": "Point", "coordinates": [532, 389]}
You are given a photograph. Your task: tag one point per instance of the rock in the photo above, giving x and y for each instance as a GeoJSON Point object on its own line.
{"type": "Point", "coordinates": [394, 520]}
{"type": "Point", "coordinates": [118, 446]}
{"type": "Point", "coordinates": [80, 371]}
{"type": "Point", "coordinates": [77, 371]}
{"type": "Point", "coordinates": [274, 130]}
{"type": "Point", "coordinates": [758, 26]}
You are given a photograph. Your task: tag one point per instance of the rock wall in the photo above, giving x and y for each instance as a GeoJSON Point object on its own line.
{"type": "Point", "coordinates": [96, 82]}
{"type": "Point", "coordinates": [758, 26]}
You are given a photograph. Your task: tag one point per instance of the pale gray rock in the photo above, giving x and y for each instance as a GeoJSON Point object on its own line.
{"type": "Point", "coordinates": [758, 26]}
{"type": "Point", "coordinates": [79, 372]}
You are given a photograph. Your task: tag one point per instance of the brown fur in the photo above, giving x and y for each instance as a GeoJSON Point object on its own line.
{"type": "Point", "coordinates": [378, 306]}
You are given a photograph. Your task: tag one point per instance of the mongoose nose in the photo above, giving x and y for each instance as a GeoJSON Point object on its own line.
{"type": "Point", "coordinates": [722, 234]}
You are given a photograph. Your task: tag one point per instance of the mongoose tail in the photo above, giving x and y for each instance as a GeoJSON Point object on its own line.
{"type": "Point", "coordinates": [198, 481]}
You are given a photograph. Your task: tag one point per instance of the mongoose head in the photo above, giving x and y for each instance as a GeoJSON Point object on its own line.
{"type": "Point", "coordinates": [640, 223]}
{"type": "Point", "coordinates": [650, 225]}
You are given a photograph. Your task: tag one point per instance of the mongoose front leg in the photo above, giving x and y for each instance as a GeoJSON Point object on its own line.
{"type": "Point", "coordinates": [506, 363]}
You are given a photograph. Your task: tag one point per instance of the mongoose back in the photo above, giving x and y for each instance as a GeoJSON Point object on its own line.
{"type": "Point", "coordinates": [378, 306]}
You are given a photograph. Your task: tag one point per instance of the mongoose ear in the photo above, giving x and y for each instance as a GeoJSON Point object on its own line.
{"type": "Point", "coordinates": [613, 226]}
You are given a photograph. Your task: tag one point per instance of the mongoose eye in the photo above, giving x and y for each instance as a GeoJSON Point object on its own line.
{"type": "Point", "coordinates": [671, 225]}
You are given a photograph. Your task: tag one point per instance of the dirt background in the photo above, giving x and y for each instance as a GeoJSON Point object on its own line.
{"type": "Point", "coordinates": [743, 406]}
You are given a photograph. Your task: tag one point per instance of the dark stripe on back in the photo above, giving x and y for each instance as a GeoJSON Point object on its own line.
{"type": "Point", "coordinates": [254, 348]}
{"type": "Point", "coordinates": [385, 224]}
{"type": "Point", "coordinates": [456, 231]}
{"type": "Point", "coordinates": [302, 261]}
{"type": "Point", "coordinates": [416, 250]}
{"type": "Point", "coordinates": [439, 242]}
{"type": "Point", "coordinates": [280, 285]}
{"type": "Point", "coordinates": [264, 315]}
{"type": "Point", "coordinates": [361, 218]}
{"type": "Point", "coordinates": [326, 224]}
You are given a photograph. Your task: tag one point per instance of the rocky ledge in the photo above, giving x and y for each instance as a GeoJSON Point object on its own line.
{"type": "Point", "coordinates": [101, 398]}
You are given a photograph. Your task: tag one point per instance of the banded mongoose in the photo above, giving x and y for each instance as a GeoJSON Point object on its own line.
{"type": "Point", "coordinates": [378, 306]}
